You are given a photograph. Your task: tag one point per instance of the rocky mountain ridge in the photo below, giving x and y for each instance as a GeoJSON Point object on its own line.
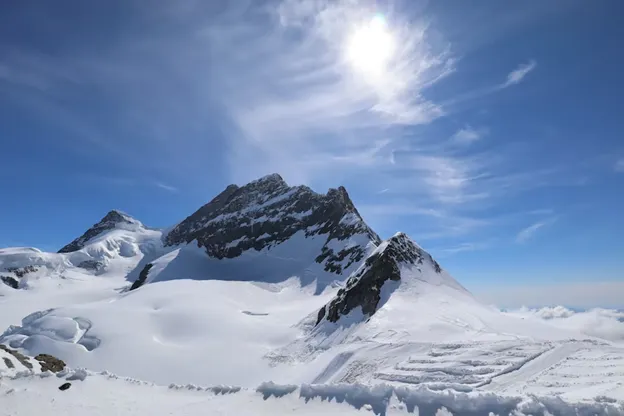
{"type": "Point", "coordinates": [363, 288]}
{"type": "Point", "coordinates": [267, 212]}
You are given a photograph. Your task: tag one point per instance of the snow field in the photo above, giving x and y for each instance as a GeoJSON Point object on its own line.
{"type": "Point", "coordinates": [105, 393]}
{"type": "Point", "coordinates": [430, 345]}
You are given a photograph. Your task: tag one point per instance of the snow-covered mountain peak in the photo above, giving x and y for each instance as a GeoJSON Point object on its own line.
{"type": "Point", "coordinates": [113, 219]}
{"type": "Point", "coordinates": [294, 223]}
{"type": "Point", "coordinates": [272, 179]}
{"type": "Point", "coordinates": [397, 263]}
{"type": "Point", "coordinates": [404, 250]}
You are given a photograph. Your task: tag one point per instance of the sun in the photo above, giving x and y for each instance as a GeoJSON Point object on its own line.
{"type": "Point", "coordinates": [370, 46]}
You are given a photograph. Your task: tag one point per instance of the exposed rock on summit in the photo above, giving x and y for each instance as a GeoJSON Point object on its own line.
{"type": "Point", "coordinates": [364, 286]}
{"type": "Point", "coordinates": [267, 212]}
{"type": "Point", "coordinates": [110, 221]}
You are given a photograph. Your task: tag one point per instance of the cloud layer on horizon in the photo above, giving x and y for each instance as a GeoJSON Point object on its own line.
{"type": "Point", "coordinates": [602, 323]}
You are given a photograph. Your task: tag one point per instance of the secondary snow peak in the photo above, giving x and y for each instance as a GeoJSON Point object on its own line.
{"type": "Point", "coordinates": [111, 220]}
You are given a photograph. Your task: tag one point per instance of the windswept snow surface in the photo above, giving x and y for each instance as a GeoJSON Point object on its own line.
{"type": "Point", "coordinates": [26, 391]}
{"type": "Point", "coordinates": [213, 332]}
{"type": "Point", "coordinates": [183, 326]}
{"type": "Point", "coordinates": [105, 393]}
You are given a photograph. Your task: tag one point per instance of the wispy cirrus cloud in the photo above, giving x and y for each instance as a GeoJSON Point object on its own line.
{"type": "Point", "coordinates": [529, 232]}
{"type": "Point", "coordinates": [468, 135]}
{"type": "Point", "coordinates": [517, 75]}
{"type": "Point", "coordinates": [462, 248]}
{"type": "Point", "coordinates": [619, 166]}
{"type": "Point", "coordinates": [308, 100]}
{"type": "Point", "coordinates": [166, 187]}
{"type": "Point", "coordinates": [253, 88]}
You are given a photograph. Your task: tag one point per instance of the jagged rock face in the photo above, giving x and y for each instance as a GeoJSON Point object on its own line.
{"type": "Point", "coordinates": [110, 221]}
{"type": "Point", "coordinates": [364, 286]}
{"type": "Point", "coordinates": [267, 212]}
{"type": "Point", "coordinates": [142, 277]}
{"type": "Point", "coordinates": [10, 281]}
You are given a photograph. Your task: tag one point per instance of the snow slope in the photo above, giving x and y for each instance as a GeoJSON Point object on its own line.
{"type": "Point", "coordinates": [106, 393]}
{"type": "Point", "coordinates": [219, 306]}
{"type": "Point", "coordinates": [210, 332]}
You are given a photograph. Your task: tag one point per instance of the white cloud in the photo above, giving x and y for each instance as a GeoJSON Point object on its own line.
{"type": "Point", "coordinates": [597, 322]}
{"type": "Point", "coordinates": [468, 135]}
{"type": "Point", "coordinates": [518, 74]}
{"type": "Point", "coordinates": [290, 92]}
{"type": "Point", "coordinates": [619, 165]}
{"type": "Point", "coordinates": [577, 295]}
{"type": "Point", "coordinates": [253, 89]}
{"type": "Point", "coordinates": [548, 312]}
{"type": "Point", "coordinates": [166, 187]}
{"type": "Point", "coordinates": [429, 223]}
{"type": "Point", "coordinates": [527, 233]}
{"type": "Point", "coordinates": [461, 248]}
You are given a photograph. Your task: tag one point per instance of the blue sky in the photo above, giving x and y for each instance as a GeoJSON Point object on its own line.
{"type": "Point", "coordinates": [492, 133]}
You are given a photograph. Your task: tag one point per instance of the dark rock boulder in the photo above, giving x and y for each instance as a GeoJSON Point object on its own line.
{"type": "Point", "coordinates": [50, 363]}
{"type": "Point", "coordinates": [64, 386]}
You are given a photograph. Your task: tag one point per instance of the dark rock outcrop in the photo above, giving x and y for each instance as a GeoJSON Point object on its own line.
{"type": "Point", "coordinates": [10, 281]}
{"type": "Point", "coordinates": [8, 363]}
{"type": "Point", "coordinates": [18, 356]}
{"type": "Point", "coordinates": [21, 271]}
{"type": "Point", "coordinates": [47, 361]}
{"type": "Point", "coordinates": [91, 265]}
{"type": "Point", "coordinates": [267, 212]}
{"type": "Point", "coordinates": [363, 288]}
{"type": "Point", "coordinates": [142, 277]}
{"type": "Point", "coordinates": [110, 221]}
{"type": "Point", "coordinates": [50, 363]}
{"type": "Point", "coordinates": [64, 386]}
{"type": "Point", "coordinates": [18, 273]}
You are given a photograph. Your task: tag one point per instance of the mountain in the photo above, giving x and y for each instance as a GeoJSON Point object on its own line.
{"type": "Point", "coordinates": [114, 219]}
{"type": "Point", "coordinates": [115, 245]}
{"type": "Point", "coordinates": [395, 262]}
{"type": "Point", "coordinates": [275, 282]}
{"type": "Point", "coordinates": [269, 231]}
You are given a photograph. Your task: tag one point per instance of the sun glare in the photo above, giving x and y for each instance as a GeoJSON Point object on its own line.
{"type": "Point", "coordinates": [370, 47]}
